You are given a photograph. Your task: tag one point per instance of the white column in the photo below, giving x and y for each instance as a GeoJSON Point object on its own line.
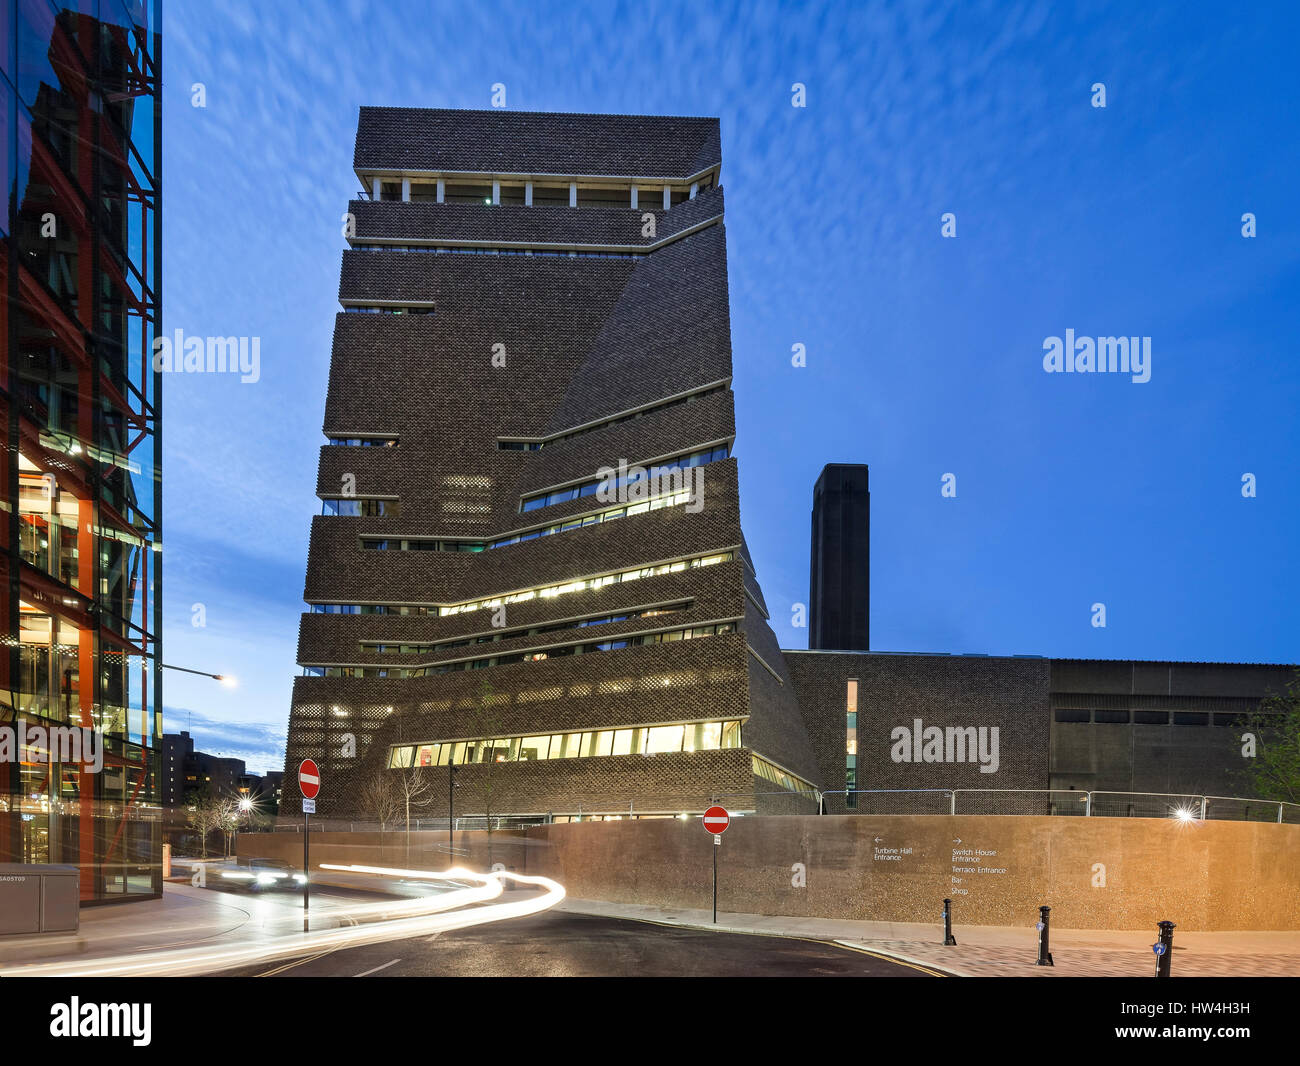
{"type": "Point", "coordinates": [528, 194]}
{"type": "Point", "coordinates": [695, 187]}
{"type": "Point", "coordinates": [573, 194]}
{"type": "Point", "coordinates": [496, 190]}
{"type": "Point", "coordinates": [376, 187]}
{"type": "Point", "coordinates": [668, 199]}
{"type": "Point", "coordinates": [633, 197]}
{"type": "Point", "coordinates": [442, 188]}
{"type": "Point", "coordinates": [406, 190]}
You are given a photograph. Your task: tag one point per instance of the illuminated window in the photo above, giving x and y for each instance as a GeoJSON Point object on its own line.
{"type": "Point", "coordinates": [664, 738]}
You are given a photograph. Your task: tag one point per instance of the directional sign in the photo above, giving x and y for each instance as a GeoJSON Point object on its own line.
{"type": "Point", "coordinates": [1158, 948]}
{"type": "Point", "coordinates": [309, 779]}
{"type": "Point", "coordinates": [716, 820]}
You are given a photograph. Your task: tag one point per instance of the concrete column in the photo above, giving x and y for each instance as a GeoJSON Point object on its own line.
{"type": "Point", "coordinates": [695, 187]}
{"type": "Point", "coordinates": [406, 190]}
{"type": "Point", "coordinates": [496, 191]}
{"type": "Point", "coordinates": [573, 194]}
{"type": "Point", "coordinates": [375, 188]}
{"type": "Point", "coordinates": [442, 189]}
{"type": "Point", "coordinates": [528, 194]}
{"type": "Point", "coordinates": [633, 197]}
{"type": "Point", "coordinates": [668, 197]}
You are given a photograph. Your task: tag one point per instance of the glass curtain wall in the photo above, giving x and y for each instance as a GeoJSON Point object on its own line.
{"type": "Point", "coordinates": [80, 538]}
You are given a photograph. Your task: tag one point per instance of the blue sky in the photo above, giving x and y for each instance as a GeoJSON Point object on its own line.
{"type": "Point", "coordinates": [924, 354]}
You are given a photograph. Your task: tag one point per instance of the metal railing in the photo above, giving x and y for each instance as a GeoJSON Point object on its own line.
{"type": "Point", "coordinates": [1093, 804]}
{"type": "Point", "coordinates": [987, 801]}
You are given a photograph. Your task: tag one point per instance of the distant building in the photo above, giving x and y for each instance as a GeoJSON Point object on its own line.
{"type": "Point", "coordinates": [177, 750]}
{"type": "Point", "coordinates": [187, 772]}
{"type": "Point", "coordinates": [840, 571]}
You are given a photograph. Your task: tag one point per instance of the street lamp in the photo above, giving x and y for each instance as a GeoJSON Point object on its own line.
{"type": "Point", "coordinates": [225, 679]}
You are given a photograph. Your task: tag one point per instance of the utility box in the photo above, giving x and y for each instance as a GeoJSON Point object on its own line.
{"type": "Point", "coordinates": [37, 898]}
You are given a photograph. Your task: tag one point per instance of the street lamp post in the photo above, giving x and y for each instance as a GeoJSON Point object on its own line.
{"type": "Point", "coordinates": [451, 805]}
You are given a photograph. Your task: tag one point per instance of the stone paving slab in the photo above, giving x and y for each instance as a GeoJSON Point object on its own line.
{"type": "Point", "coordinates": [998, 951]}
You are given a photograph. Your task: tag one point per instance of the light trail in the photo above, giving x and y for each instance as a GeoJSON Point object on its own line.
{"type": "Point", "coordinates": [429, 919]}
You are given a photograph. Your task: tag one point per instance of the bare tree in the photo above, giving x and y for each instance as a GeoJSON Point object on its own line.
{"type": "Point", "coordinates": [412, 786]}
{"type": "Point", "coordinates": [381, 798]}
{"type": "Point", "coordinates": [209, 811]}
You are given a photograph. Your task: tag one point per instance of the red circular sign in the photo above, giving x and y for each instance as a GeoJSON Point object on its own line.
{"type": "Point", "coordinates": [716, 819]}
{"type": "Point", "coordinates": [309, 779]}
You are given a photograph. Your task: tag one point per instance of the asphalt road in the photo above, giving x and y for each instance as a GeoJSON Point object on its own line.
{"type": "Point", "coordinates": [561, 944]}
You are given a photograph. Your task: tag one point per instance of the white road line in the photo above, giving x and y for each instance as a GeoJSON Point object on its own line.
{"type": "Point", "coordinates": [385, 966]}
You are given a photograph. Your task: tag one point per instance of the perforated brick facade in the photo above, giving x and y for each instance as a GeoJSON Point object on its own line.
{"type": "Point", "coordinates": [624, 354]}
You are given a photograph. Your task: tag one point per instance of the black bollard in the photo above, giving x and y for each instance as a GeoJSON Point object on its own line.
{"type": "Point", "coordinates": [1044, 932]}
{"type": "Point", "coordinates": [1164, 949]}
{"type": "Point", "coordinates": [948, 938]}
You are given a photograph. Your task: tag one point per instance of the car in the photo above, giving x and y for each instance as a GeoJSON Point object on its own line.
{"type": "Point", "coordinates": [261, 874]}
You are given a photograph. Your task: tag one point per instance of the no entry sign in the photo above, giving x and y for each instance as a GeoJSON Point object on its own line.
{"type": "Point", "coordinates": [309, 779]}
{"type": "Point", "coordinates": [716, 820]}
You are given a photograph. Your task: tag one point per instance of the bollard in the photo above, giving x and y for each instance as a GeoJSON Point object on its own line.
{"type": "Point", "coordinates": [948, 938]}
{"type": "Point", "coordinates": [1044, 932]}
{"type": "Point", "coordinates": [1164, 949]}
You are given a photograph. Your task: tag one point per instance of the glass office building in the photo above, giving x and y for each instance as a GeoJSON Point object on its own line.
{"type": "Point", "coordinates": [80, 541]}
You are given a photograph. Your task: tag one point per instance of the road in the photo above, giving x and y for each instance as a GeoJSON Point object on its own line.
{"type": "Point", "coordinates": [563, 944]}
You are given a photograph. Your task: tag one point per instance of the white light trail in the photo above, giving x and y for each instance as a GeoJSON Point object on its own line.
{"type": "Point", "coordinates": [419, 917]}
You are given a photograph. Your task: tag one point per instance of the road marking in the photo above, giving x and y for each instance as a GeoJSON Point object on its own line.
{"type": "Point", "coordinates": [891, 958]}
{"type": "Point", "coordinates": [385, 966]}
{"type": "Point", "coordinates": [299, 962]}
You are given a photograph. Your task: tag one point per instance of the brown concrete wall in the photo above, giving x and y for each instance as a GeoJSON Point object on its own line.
{"type": "Point", "coordinates": [1095, 873]}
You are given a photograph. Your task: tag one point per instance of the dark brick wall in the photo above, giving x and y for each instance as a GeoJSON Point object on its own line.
{"type": "Point", "coordinates": [1197, 751]}
{"type": "Point", "coordinates": [541, 143]}
{"type": "Point", "coordinates": [942, 690]}
{"type": "Point", "coordinates": [670, 782]}
{"type": "Point", "coordinates": [341, 571]}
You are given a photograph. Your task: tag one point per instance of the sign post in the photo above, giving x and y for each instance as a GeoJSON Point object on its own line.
{"type": "Point", "coordinates": [309, 785]}
{"type": "Point", "coordinates": [716, 819]}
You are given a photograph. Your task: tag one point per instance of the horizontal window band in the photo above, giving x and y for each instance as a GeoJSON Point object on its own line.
{"type": "Point", "coordinates": [514, 658]}
{"type": "Point", "coordinates": [556, 246]}
{"type": "Point", "coordinates": [588, 582]}
{"type": "Point", "coordinates": [641, 611]}
{"type": "Point", "coordinates": [707, 453]}
{"type": "Point", "coordinates": [624, 415]}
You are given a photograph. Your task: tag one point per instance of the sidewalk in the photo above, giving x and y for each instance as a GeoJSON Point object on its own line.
{"type": "Point", "coordinates": [999, 951]}
{"type": "Point", "coordinates": [185, 916]}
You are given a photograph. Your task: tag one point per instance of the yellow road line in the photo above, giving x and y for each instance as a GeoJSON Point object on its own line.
{"type": "Point", "coordinates": [297, 962]}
